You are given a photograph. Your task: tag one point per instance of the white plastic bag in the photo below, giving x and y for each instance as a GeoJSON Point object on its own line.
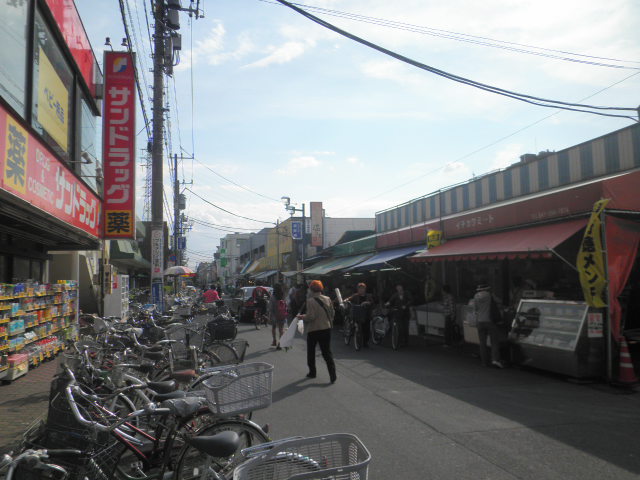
{"type": "Point", "coordinates": [301, 326]}
{"type": "Point", "coordinates": [286, 340]}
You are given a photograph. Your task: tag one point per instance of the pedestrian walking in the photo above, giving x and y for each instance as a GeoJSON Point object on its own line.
{"type": "Point", "coordinates": [277, 314]}
{"type": "Point", "coordinates": [318, 321]}
{"type": "Point", "coordinates": [449, 310]}
{"type": "Point", "coordinates": [485, 309]}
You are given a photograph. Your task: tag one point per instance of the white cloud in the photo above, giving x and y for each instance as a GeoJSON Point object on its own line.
{"type": "Point", "coordinates": [508, 155]}
{"type": "Point", "coordinates": [211, 50]}
{"type": "Point", "coordinates": [279, 55]}
{"type": "Point", "coordinates": [300, 163]}
{"type": "Point", "coordinates": [354, 161]}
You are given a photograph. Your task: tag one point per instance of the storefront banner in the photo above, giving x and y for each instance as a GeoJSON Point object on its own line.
{"type": "Point", "coordinates": [590, 262]}
{"type": "Point", "coordinates": [32, 173]}
{"type": "Point", "coordinates": [316, 224]}
{"type": "Point", "coordinates": [119, 135]}
{"type": "Point", "coordinates": [53, 98]}
{"type": "Point", "coordinates": [623, 237]}
{"type": "Point", "coordinates": [75, 36]}
{"type": "Point", "coordinates": [434, 238]}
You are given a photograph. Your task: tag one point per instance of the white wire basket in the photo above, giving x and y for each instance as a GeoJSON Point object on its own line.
{"type": "Point", "coordinates": [337, 456]}
{"type": "Point", "coordinates": [239, 388]}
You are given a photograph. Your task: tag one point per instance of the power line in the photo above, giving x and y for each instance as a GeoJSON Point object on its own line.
{"type": "Point", "coordinates": [237, 184]}
{"type": "Point", "coordinates": [533, 100]}
{"type": "Point", "coordinates": [473, 39]}
{"type": "Point", "coordinates": [227, 211]}
{"type": "Point", "coordinates": [206, 223]}
{"type": "Point", "coordinates": [135, 70]}
{"type": "Point", "coordinates": [495, 142]}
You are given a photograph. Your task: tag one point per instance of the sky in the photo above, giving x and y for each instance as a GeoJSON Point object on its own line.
{"type": "Point", "coordinates": [281, 106]}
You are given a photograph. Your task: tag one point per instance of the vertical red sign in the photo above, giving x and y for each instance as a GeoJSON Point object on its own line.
{"type": "Point", "coordinates": [118, 149]}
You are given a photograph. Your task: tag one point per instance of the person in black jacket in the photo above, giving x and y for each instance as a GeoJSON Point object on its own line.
{"type": "Point", "coordinates": [400, 302]}
{"type": "Point", "coordinates": [365, 300]}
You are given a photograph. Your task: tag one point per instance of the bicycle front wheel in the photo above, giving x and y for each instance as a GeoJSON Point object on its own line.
{"type": "Point", "coordinates": [357, 336]}
{"type": "Point", "coordinates": [395, 336]}
{"type": "Point", "coordinates": [347, 331]}
{"type": "Point", "coordinates": [194, 464]}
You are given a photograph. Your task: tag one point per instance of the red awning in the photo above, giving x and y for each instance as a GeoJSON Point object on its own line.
{"type": "Point", "coordinates": [532, 242]}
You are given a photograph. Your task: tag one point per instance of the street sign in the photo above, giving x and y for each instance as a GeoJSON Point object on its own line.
{"type": "Point", "coordinates": [172, 258]}
{"type": "Point", "coordinates": [182, 243]}
{"type": "Point", "coordinates": [296, 230]}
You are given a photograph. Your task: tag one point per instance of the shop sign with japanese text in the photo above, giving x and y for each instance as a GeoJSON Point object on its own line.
{"type": "Point", "coordinates": [119, 135]}
{"type": "Point", "coordinates": [31, 172]}
{"type": "Point", "coordinates": [157, 252]}
{"type": "Point", "coordinates": [590, 263]}
{"type": "Point", "coordinates": [316, 224]}
{"type": "Point", "coordinates": [595, 325]}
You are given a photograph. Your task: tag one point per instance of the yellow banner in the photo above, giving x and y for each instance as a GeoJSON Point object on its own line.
{"type": "Point", "coordinates": [53, 102]}
{"type": "Point", "coordinates": [590, 262]}
{"type": "Point", "coordinates": [15, 156]}
{"type": "Point", "coordinates": [434, 238]}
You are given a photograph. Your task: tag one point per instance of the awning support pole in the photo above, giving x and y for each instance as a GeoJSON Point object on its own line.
{"type": "Point", "coordinates": [563, 259]}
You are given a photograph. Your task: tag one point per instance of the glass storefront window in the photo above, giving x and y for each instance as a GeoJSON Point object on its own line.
{"type": "Point", "coordinates": [52, 91]}
{"type": "Point", "coordinates": [13, 54]}
{"type": "Point", "coordinates": [88, 150]}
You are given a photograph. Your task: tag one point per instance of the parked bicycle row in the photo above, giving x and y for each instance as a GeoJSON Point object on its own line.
{"type": "Point", "coordinates": [156, 398]}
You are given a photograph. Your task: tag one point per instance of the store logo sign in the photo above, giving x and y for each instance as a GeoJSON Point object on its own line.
{"type": "Point", "coordinates": [120, 64]}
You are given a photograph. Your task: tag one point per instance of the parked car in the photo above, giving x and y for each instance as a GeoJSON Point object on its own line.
{"type": "Point", "coordinates": [242, 303]}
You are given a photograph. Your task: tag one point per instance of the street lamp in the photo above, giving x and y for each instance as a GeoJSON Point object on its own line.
{"type": "Point", "coordinates": [292, 210]}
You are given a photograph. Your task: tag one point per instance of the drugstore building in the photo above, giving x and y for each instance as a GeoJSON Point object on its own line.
{"type": "Point", "coordinates": [50, 174]}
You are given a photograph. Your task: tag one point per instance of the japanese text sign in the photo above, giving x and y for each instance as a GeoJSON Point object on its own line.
{"type": "Point", "coordinates": [31, 172]}
{"type": "Point", "coordinates": [590, 263]}
{"type": "Point", "coordinates": [53, 101]}
{"type": "Point", "coordinates": [296, 230]}
{"type": "Point", "coordinates": [316, 224]}
{"type": "Point", "coordinates": [119, 134]}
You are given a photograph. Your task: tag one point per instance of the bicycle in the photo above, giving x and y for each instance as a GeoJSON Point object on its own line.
{"type": "Point", "coordinates": [399, 327]}
{"type": "Point", "coordinates": [334, 456]}
{"type": "Point", "coordinates": [35, 464]}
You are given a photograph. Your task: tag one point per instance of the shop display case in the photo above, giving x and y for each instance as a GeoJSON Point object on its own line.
{"type": "Point", "coordinates": [35, 320]}
{"type": "Point", "coordinates": [553, 335]}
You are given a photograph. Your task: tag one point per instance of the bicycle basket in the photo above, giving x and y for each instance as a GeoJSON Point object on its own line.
{"type": "Point", "coordinates": [221, 328]}
{"type": "Point", "coordinates": [239, 388]}
{"type": "Point", "coordinates": [338, 456]}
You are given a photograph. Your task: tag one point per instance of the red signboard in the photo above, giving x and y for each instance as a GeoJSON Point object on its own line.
{"type": "Point", "coordinates": [119, 145]}
{"type": "Point", "coordinates": [68, 20]}
{"type": "Point", "coordinates": [31, 172]}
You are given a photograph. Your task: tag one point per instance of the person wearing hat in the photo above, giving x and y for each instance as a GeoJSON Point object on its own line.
{"type": "Point", "coordinates": [487, 327]}
{"type": "Point", "coordinates": [318, 321]}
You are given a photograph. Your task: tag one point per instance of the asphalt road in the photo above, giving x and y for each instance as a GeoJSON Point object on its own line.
{"type": "Point", "coordinates": [432, 413]}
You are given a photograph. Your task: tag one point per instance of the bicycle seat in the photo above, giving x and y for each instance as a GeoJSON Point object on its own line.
{"type": "Point", "coordinates": [154, 355]}
{"type": "Point", "coordinates": [184, 376]}
{"type": "Point", "coordinates": [223, 444]}
{"type": "Point", "coordinates": [161, 397]}
{"type": "Point", "coordinates": [163, 387]}
{"type": "Point", "coordinates": [184, 407]}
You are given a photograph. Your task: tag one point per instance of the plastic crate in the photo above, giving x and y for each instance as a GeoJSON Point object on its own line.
{"type": "Point", "coordinates": [239, 388]}
{"type": "Point", "coordinates": [338, 456]}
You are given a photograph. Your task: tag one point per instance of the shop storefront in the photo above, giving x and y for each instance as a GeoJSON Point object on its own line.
{"type": "Point", "coordinates": [50, 176]}
{"type": "Point", "coordinates": [533, 269]}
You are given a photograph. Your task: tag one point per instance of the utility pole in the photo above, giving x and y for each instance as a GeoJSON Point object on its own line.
{"type": "Point", "coordinates": [177, 231]}
{"type": "Point", "coordinates": [157, 220]}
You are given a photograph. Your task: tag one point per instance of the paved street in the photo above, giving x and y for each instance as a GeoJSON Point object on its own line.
{"type": "Point", "coordinates": [426, 413]}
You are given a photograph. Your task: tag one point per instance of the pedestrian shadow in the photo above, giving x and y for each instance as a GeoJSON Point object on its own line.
{"type": "Point", "coordinates": [296, 387]}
